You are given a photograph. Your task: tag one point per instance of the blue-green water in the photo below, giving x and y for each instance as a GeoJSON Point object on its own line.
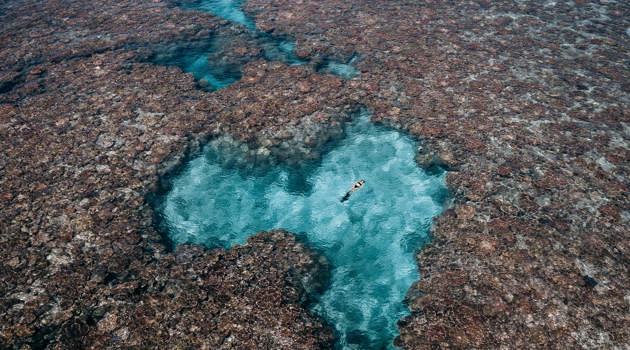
{"type": "Point", "coordinates": [205, 63]}
{"type": "Point", "coordinates": [343, 70]}
{"type": "Point", "coordinates": [227, 9]}
{"type": "Point", "coordinates": [202, 62]}
{"type": "Point", "coordinates": [274, 48]}
{"type": "Point", "coordinates": [369, 240]}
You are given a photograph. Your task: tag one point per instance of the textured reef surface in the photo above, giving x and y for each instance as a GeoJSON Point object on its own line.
{"type": "Point", "coordinates": [526, 104]}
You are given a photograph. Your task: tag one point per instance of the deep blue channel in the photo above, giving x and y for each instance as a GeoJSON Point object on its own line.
{"type": "Point", "coordinates": [370, 240]}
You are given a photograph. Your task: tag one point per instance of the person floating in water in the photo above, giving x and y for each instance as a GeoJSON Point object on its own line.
{"type": "Point", "coordinates": [357, 185]}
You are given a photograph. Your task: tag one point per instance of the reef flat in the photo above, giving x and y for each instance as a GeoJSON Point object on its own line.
{"type": "Point", "coordinates": [524, 103]}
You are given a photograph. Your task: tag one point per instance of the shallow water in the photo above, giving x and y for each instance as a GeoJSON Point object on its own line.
{"type": "Point", "coordinates": [227, 9]}
{"type": "Point", "coordinates": [369, 240]}
{"type": "Point", "coordinates": [204, 62]}
{"type": "Point", "coordinates": [343, 70]}
{"type": "Point", "coordinates": [211, 74]}
{"type": "Point", "coordinates": [274, 48]}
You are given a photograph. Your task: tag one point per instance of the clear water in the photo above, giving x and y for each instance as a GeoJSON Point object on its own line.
{"type": "Point", "coordinates": [274, 48]}
{"type": "Point", "coordinates": [369, 240]}
{"type": "Point", "coordinates": [278, 49]}
{"type": "Point", "coordinates": [344, 70]}
{"type": "Point", "coordinates": [227, 9]}
{"type": "Point", "coordinates": [212, 74]}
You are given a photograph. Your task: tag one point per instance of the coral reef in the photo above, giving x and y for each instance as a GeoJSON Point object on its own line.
{"type": "Point", "coordinates": [526, 103]}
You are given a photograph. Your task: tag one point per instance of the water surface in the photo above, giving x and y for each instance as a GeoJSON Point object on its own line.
{"type": "Point", "coordinates": [212, 72]}
{"type": "Point", "coordinates": [369, 240]}
{"type": "Point", "coordinates": [226, 9]}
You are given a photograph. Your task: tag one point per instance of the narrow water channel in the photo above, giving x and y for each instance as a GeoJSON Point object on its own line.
{"type": "Point", "coordinates": [203, 59]}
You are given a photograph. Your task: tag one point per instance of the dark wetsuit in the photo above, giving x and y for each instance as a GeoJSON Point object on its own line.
{"type": "Point", "coordinates": [357, 185]}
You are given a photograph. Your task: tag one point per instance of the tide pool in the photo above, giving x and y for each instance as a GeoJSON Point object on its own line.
{"type": "Point", "coordinates": [369, 240]}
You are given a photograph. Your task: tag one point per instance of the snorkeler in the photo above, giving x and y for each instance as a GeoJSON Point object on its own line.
{"type": "Point", "coordinates": [357, 185]}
